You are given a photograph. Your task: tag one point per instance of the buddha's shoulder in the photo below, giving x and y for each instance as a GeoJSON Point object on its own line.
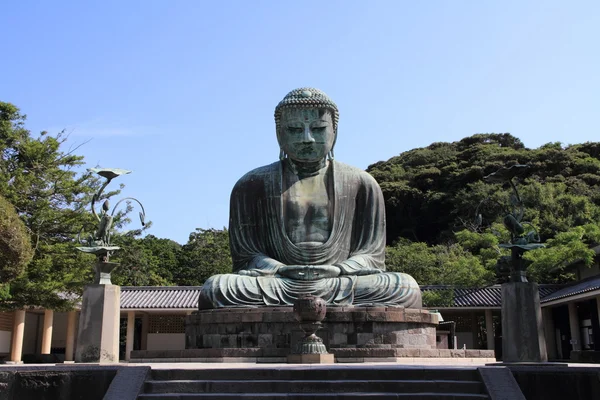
{"type": "Point", "coordinates": [260, 174]}
{"type": "Point", "coordinates": [356, 173]}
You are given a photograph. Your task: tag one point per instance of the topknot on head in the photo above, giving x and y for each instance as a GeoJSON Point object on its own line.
{"type": "Point", "coordinates": [307, 97]}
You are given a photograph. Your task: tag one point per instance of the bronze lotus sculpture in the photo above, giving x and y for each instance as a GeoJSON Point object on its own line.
{"type": "Point", "coordinates": [523, 235]}
{"type": "Point", "coordinates": [99, 243]}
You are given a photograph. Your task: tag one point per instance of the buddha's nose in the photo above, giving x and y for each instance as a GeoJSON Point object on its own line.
{"type": "Point", "coordinates": [307, 138]}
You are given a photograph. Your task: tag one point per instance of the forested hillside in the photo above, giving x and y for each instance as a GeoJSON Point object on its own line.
{"type": "Point", "coordinates": [432, 194]}
{"type": "Point", "coordinates": [434, 191]}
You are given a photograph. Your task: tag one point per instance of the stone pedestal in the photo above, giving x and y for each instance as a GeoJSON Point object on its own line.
{"type": "Point", "coordinates": [350, 334]}
{"type": "Point", "coordinates": [273, 332]}
{"type": "Point", "coordinates": [98, 336]}
{"type": "Point", "coordinates": [310, 359]}
{"type": "Point", "coordinates": [522, 330]}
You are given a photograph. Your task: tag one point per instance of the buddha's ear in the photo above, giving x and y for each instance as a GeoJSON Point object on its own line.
{"type": "Point", "coordinates": [332, 113]}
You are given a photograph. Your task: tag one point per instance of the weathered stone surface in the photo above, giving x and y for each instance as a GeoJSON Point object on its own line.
{"type": "Point", "coordinates": [265, 340]}
{"type": "Point", "coordinates": [362, 352]}
{"type": "Point", "coordinates": [98, 335]}
{"type": "Point", "coordinates": [343, 327]}
{"type": "Point", "coordinates": [128, 384]}
{"type": "Point", "coordinates": [406, 352]}
{"type": "Point", "coordinates": [340, 338]}
{"type": "Point", "coordinates": [522, 330]}
{"type": "Point", "coordinates": [342, 354]}
{"type": "Point", "coordinates": [61, 382]}
{"type": "Point", "coordinates": [310, 359]}
{"type": "Point", "coordinates": [487, 353]}
{"type": "Point", "coordinates": [500, 383]}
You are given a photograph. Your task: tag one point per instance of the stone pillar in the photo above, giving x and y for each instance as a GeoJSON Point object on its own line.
{"type": "Point", "coordinates": [129, 340]}
{"type": "Point", "coordinates": [144, 338]}
{"type": "Point", "coordinates": [522, 330]}
{"type": "Point", "coordinates": [489, 328]}
{"type": "Point", "coordinates": [70, 345]}
{"type": "Point", "coordinates": [474, 330]}
{"type": "Point", "coordinates": [98, 335]}
{"type": "Point", "coordinates": [549, 333]}
{"type": "Point", "coordinates": [574, 325]}
{"type": "Point", "coordinates": [16, 350]}
{"type": "Point", "coordinates": [47, 331]}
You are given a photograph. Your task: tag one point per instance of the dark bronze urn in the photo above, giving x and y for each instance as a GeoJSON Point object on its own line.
{"type": "Point", "coordinates": [310, 311]}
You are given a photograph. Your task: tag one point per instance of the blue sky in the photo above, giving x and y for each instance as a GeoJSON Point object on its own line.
{"type": "Point", "coordinates": [183, 92]}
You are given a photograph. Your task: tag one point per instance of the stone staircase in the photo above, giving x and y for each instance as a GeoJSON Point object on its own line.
{"type": "Point", "coordinates": [316, 382]}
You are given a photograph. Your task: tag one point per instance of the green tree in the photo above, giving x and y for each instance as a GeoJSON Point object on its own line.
{"type": "Point", "coordinates": [40, 179]}
{"type": "Point", "coordinates": [205, 254]}
{"type": "Point", "coordinates": [149, 261]}
{"type": "Point", "coordinates": [15, 246]}
{"type": "Point", "coordinates": [431, 195]}
{"type": "Point", "coordinates": [448, 264]}
{"type": "Point", "coordinates": [548, 264]}
{"type": "Point", "coordinates": [432, 192]}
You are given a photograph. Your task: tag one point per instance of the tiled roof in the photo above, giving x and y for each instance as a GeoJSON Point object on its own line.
{"type": "Point", "coordinates": [586, 285]}
{"type": "Point", "coordinates": [164, 297]}
{"type": "Point", "coordinates": [186, 297]}
{"type": "Point", "coordinates": [489, 296]}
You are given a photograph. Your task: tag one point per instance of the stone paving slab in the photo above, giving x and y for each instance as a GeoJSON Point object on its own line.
{"type": "Point", "coordinates": [438, 362]}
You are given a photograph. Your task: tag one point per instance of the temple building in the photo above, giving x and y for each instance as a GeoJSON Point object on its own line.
{"type": "Point", "coordinates": [152, 318]}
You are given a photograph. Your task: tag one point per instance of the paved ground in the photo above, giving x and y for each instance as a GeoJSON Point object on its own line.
{"type": "Point", "coordinates": [186, 365]}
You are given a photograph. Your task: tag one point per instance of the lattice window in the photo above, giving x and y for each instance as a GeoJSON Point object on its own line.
{"type": "Point", "coordinates": [6, 321]}
{"type": "Point", "coordinates": [166, 324]}
{"type": "Point", "coordinates": [464, 322]}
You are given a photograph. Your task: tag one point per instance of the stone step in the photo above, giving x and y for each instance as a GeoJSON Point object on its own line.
{"type": "Point", "coordinates": [312, 396]}
{"type": "Point", "coordinates": [313, 386]}
{"type": "Point", "coordinates": [319, 374]}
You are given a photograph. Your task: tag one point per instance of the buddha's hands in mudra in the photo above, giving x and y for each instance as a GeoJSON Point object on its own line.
{"type": "Point", "coordinates": [309, 272]}
{"type": "Point", "coordinates": [256, 272]}
{"type": "Point", "coordinates": [298, 272]}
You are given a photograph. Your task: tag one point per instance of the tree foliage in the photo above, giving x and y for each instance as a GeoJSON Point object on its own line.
{"type": "Point", "coordinates": [15, 246]}
{"type": "Point", "coordinates": [431, 195]}
{"type": "Point", "coordinates": [39, 178]}
{"type": "Point", "coordinates": [548, 264]}
{"type": "Point", "coordinates": [432, 192]}
{"type": "Point", "coordinates": [149, 261]}
{"type": "Point", "coordinates": [448, 264]}
{"type": "Point", "coordinates": [205, 254]}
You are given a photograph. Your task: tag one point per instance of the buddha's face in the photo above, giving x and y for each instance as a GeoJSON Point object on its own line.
{"type": "Point", "coordinates": [306, 135]}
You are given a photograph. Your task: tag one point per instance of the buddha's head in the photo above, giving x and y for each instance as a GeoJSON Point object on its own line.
{"type": "Point", "coordinates": [306, 122]}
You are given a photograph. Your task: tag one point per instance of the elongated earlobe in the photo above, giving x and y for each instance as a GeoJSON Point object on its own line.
{"type": "Point", "coordinates": [281, 154]}
{"type": "Point", "coordinates": [330, 155]}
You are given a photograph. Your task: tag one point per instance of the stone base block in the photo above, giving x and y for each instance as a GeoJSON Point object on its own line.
{"type": "Point", "coordinates": [341, 355]}
{"type": "Point", "coordinates": [98, 335]}
{"type": "Point", "coordinates": [310, 359]}
{"type": "Point", "coordinates": [343, 327]}
{"type": "Point", "coordinates": [523, 337]}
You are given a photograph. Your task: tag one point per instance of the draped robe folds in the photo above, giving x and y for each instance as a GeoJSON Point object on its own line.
{"type": "Point", "coordinates": [356, 245]}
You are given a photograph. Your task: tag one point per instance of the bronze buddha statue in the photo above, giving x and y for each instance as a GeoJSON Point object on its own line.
{"type": "Point", "coordinates": [308, 224]}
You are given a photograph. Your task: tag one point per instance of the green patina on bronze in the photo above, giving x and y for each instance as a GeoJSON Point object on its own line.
{"type": "Point", "coordinates": [523, 235]}
{"type": "Point", "coordinates": [99, 243]}
{"type": "Point", "coordinates": [307, 224]}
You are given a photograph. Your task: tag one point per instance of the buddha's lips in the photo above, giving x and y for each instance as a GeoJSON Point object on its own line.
{"type": "Point", "coordinates": [307, 148]}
